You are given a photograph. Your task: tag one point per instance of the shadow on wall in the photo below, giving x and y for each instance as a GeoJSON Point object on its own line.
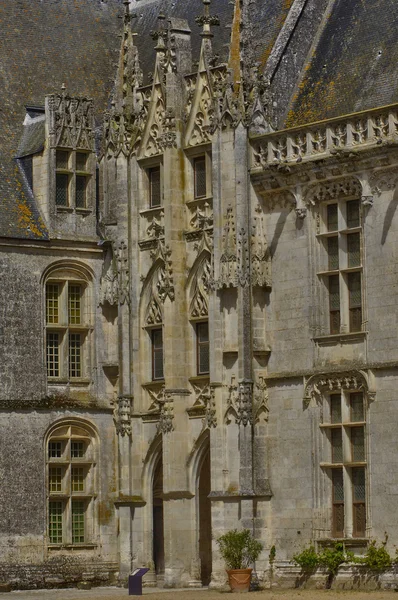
{"type": "Point", "coordinates": [278, 231]}
{"type": "Point", "coordinates": [389, 216]}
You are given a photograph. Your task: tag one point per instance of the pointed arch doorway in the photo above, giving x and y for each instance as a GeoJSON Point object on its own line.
{"type": "Point", "coordinates": [158, 520]}
{"type": "Point", "coordinates": [204, 511]}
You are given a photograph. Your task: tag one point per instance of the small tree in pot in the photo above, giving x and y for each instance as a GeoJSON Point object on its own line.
{"type": "Point", "coordinates": [239, 549]}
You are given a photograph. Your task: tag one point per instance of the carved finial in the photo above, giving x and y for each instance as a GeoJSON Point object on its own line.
{"type": "Point", "coordinates": [161, 33]}
{"type": "Point", "coordinates": [206, 20]}
{"type": "Point", "coordinates": [63, 88]}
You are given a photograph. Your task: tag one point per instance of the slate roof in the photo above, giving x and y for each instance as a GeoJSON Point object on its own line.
{"type": "Point", "coordinates": [42, 45]}
{"type": "Point", "coordinates": [33, 137]}
{"type": "Point", "coordinates": [355, 64]}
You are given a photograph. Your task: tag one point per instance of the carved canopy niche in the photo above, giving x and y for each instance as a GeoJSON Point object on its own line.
{"type": "Point", "coordinates": [354, 380]}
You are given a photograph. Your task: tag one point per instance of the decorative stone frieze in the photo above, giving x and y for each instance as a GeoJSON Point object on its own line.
{"type": "Point", "coordinates": [245, 403]}
{"type": "Point", "coordinates": [229, 261]}
{"type": "Point", "coordinates": [243, 272]}
{"type": "Point", "coordinates": [335, 189]}
{"type": "Point", "coordinates": [210, 419]}
{"type": "Point", "coordinates": [260, 400]}
{"type": "Point", "coordinates": [260, 260]}
{"type": "Point", "coordinates": [318, 384]}
{"type": "Point", "coordinates": [109, 286]}
{"type": "Point", "coordinates": [232, 402]}
{"type": "Point", "coordinates": [162, 253]}
{"type": "Point", "coordinates": [199, 305]}
{"type": "Point", "coordinates": [122, 415]}
{"type": "Point", "coordinates": [240, 402]}
{"type": "Point", "coordinates": [166, 416]}
{"type": "Point", "coordinates": [71, 121]}
{"type": "Point", "coordinates": [120, 251]}
{"type": "Point", "coordinates": [157, 397]}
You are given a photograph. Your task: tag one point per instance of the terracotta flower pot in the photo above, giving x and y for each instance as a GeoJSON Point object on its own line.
{"type": "Point", "coordinates": [239, 579]}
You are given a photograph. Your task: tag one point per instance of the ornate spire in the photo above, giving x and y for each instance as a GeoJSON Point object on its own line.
{"type": "Point", "coordinates": [129, 74]}
{"type": "Point", "coordinates": [207, 20]}
{"type": "Point", "coordinates": [160, 35]}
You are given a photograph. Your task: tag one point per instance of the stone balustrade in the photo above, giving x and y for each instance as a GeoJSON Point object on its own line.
{"type": "Point", "coordinates": [327, 138]}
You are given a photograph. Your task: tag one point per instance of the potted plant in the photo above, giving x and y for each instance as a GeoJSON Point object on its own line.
{"type": "Point", "coordinates": [239, 549]}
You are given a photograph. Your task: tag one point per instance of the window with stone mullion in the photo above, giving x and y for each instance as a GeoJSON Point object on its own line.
{"type": "Point", "coordinates": [64, 342]}
{"type": "Point", "coordinates": [347, 456]}
{"type": "Point", "coordinates": [70, 486]}
{"type": "Point", "coordinates": [343, 250]}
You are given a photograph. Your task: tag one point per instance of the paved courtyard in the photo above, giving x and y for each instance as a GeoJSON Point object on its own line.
{"type": "Point", "coordinates": [152, 594]}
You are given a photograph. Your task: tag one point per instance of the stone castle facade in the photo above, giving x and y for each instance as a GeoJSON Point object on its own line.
{"type": "Point", "coordinates": [198, 324]}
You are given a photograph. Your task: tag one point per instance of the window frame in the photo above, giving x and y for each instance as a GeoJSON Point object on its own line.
{"type": "Point", "coordinates": [193, 157]}
{"type": "Point", "coordinates": [65, 433]}
{"type": "Point", "coordinates": [153, 331]}
{"type": "Point", "coordinates": [336, 270]}
{"type": "Point", "coordinates": [198, 325]}
{"type": "Point", "coordinates": [148, 172]}
{"type": "Point", "coordinates": [71, 169]}
{"type": "Point", "coordinates": [62, 327]}
{"type": "Point", "coordinates": [348, 463]}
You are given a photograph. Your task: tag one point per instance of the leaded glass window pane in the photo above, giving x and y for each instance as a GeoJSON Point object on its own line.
{"type": "Point", "coordinates": [338, 486]}
{"type": "Point", "coordinates": [77, 449]}
{"type": "Point", "coordinates": [61, 189]}
{"type": "Point", "coordinates": [74, 355]}
{"type": "Point", "coordinates": [357, 444]}
{"type": "Point", "coordinates": [77, 479]}
{"type": "Point", "coordinates": [55, 510]}
{"type": "Point", "coordinates": [358, 484]}
{"type": "Point", "coordinates": [52, 303]}
{"type": "Point", "coordinates": [334, 303]}
{"type": "Point", "coordinates": [62, 159]}
{"type": "Point", "coordinates": [338, 503]}
{"type": "Point", "coordinates": [81, 183]}
{"type": "Point", "coordinates": [154, 187]}
{"type": "Point", "coordinates": [200, 177]}
{"type": "Point", "coordinates": [157, 354]}
{"type": "Point", "coordinates": [355, 301]}
{"type": "Point", "coordinates": [353, 214]}
{"type": "Point", "coordinates": [203, 349]}
{"type": "Point", "coordinates": [52, 354]}
{"type": "Point", "coordinates": [337, 446]}
{"type": "Point", "coordinates": [359, 504]}
{"type": "Point", "coordinates": [78, 522]}
{"type": "Point", "coordinates": [356, 401]}
{"type": "Point", "coordinates": [335, 408]}
{"type": "Point", "coordinates": [81, 161]}
{"type": "Point", "coordinates": [74, 304]}
{"type": "Point", "coordinates": [54, 449]}
{"type": "Point", "coordinates": [333, 253]}
{"type": "Point", "coordinates": [332, 217]}
{"type": "Point", "coordinates": [55, 479]}
{"type": "Point", "coordinates": [354, 249]}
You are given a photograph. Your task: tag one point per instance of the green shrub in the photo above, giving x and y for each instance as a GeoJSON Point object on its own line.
{"type": "Point", "coordinates": [308, 559]}
{"type": "Point", "coordinates": [272, 554]}
{"type": "Point", "coordinates": [332, 558]}
{"type": "Point", "coordinates": [239, 549]}
{"type": "Point", "coordinates": [376, 557]}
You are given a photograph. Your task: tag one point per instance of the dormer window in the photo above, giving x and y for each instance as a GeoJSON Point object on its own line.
{"type": "Point", "coordinates": [72, 178]}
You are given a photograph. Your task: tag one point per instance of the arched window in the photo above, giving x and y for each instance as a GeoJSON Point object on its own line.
{"type": "Point", "coordinates": [71, 489]}
{"type": "Point", "coordinates": [68, 324]}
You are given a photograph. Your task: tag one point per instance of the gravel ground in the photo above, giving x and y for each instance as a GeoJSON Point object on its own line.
{"type": "Point", "coordinates": [152, 594]}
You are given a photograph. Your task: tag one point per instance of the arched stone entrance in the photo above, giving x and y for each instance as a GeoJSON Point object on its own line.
{"type": "Point", "coordinates": [203, 491]}
{"type": "Point", "coordinates": [158, 520]}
